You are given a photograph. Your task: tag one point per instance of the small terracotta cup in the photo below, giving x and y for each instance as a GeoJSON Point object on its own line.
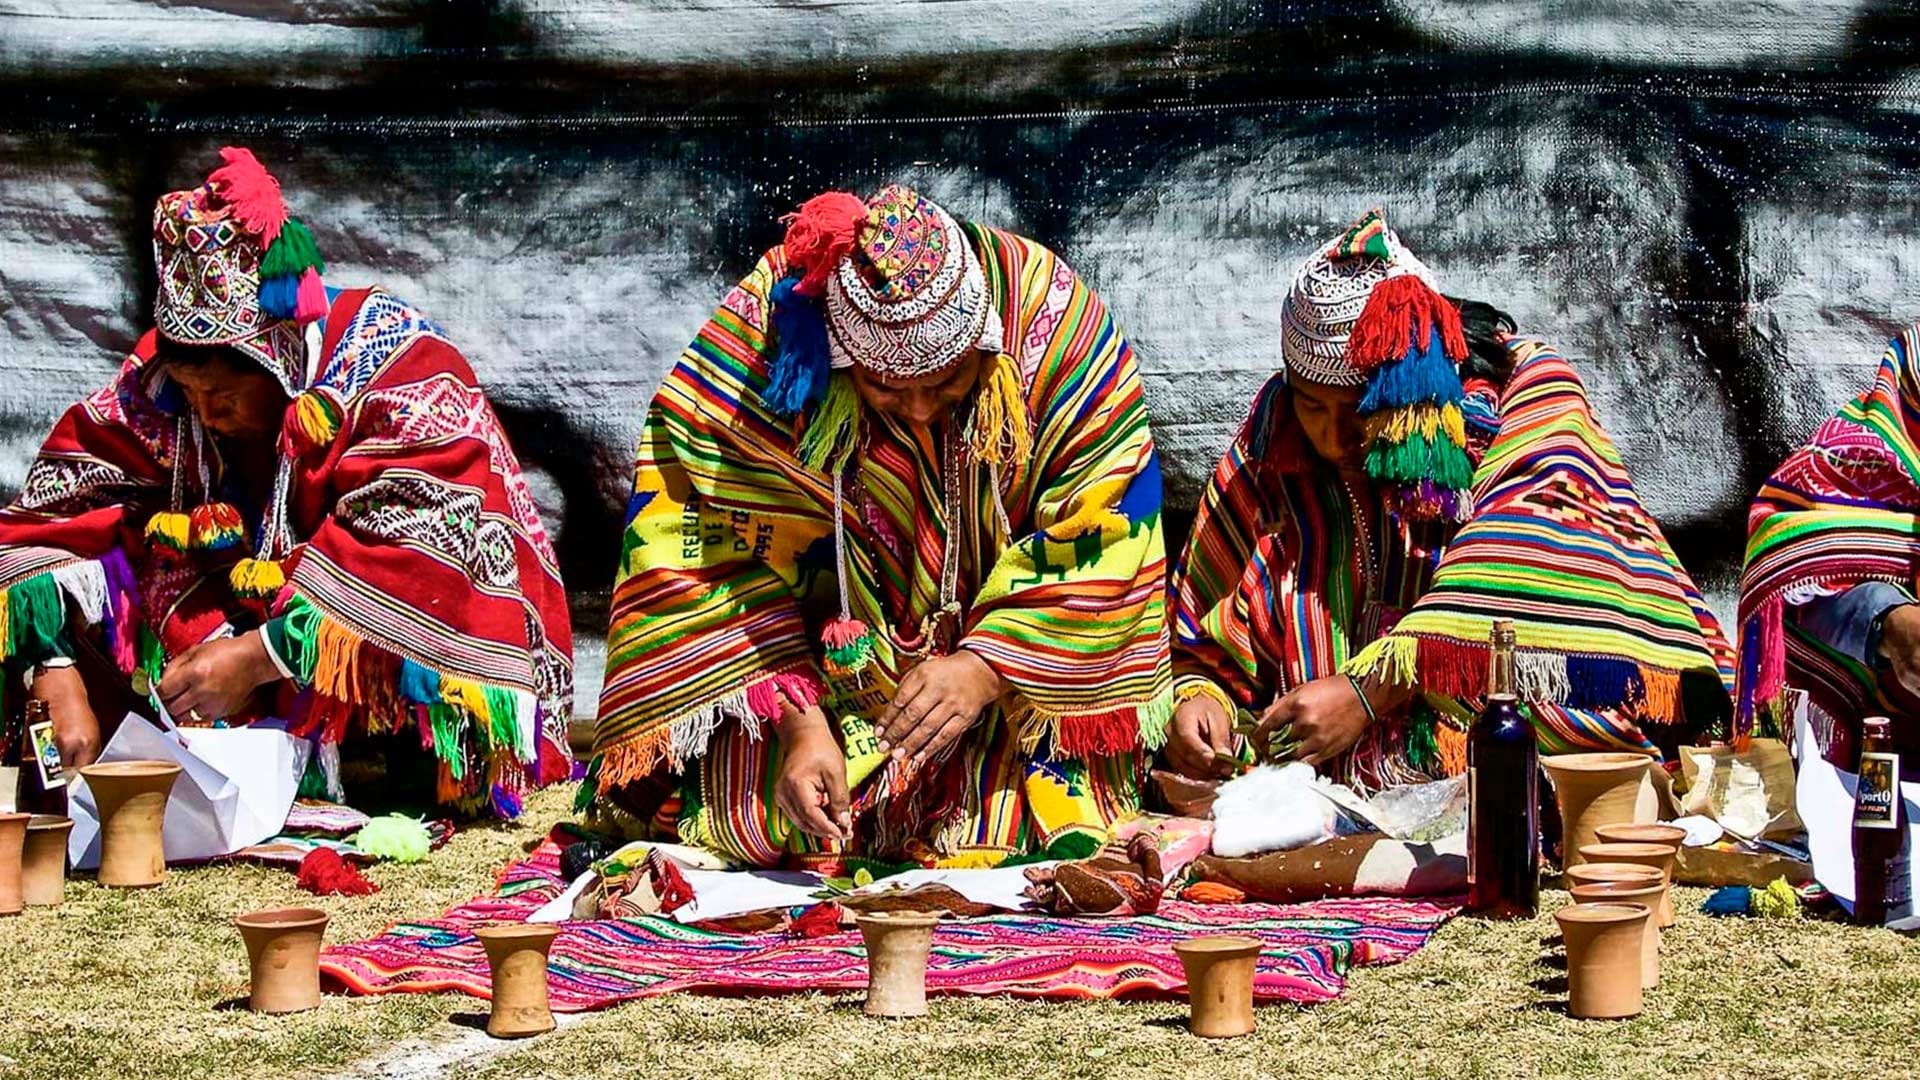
{"type": "Point", "coordinates": [1659, 857]}
{"type": "Point", "coordinates": [1603, 958]}
{"type": "Point", "coordinates": [1627, 892]}
{"type": "Point", "coordinates": [1642, 832]}
{"type": "Point", "coordinates": [13, 842]}
{"type": "Point", "coordinates": [283, 956]}
{"type": "Point", "coordinates": [1595, 790]}
{"type": "Point", "coordinates": [517, 954]}
{"type": "Point", "coordinates": [131, 797]}
{"type": "Point", "coordinates": [43, 862]}
{"type": "Point", "coordinates": [897, 946]}
{"type": "Point", "coordinates": [1219, 984]}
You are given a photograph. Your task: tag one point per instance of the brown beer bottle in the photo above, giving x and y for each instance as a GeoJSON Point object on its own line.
{"type": "Point", "coordinates": [43, 783]}
{"type": "Point", "coordinates": [1503, 797]}
{"type": "Point", "coordinates": [1880, 875]}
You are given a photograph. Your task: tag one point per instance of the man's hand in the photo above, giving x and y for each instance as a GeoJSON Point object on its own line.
{"type": "Point", "coordinates": [812, 787]}
{"type": "Point", "coordinates": [1201, 729]}
{"type": "Point", "coordinates": [1324, 719]}
{"type": "Point", "coordinates": [1900, 644]}
{"type": "Point", "coordinates": [76, 731]}
{"type": "Point", "coordinates": [212, 681]}
{"type": "Point", "coordinates": [936, 702]}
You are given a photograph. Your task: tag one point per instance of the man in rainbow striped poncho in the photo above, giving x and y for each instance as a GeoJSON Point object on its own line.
{"type": "Point", "coordinates": [1414, 472]}
{"type": "Point", "coordinates": [891, 585]}
{"type": "Point", "coordinates": [291, 501]}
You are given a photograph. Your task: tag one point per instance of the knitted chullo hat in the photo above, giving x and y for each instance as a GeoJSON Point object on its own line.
{"type": "Point", "coordinates": [1363, 311]}
{"type": "Point", "coordinates": [236, 270]}
{"type": "Point", "coordinates": [893, 286]}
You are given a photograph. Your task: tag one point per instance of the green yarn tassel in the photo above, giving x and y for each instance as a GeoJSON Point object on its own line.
{"type": "Point", "coordinates": [1420, 458]}
{"type": "Point", "coordinates": [504, 733]}
{"type": "Point", "coordinates": [446, 722]}
{"type": "Point", "coordinates": [292, 253]}
{"type": "Point", "coordinates": [36, 614]}
{"type": "Point", "coordinates": [395, 837]}
{"type": "Point", "coordinates": [301, 621]}
{"type": "Point", "coordinates": [834, 429]}
{"type": "Point", "coordinates": [1423, 748]}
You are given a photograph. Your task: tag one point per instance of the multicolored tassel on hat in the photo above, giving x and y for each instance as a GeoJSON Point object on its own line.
{"type": "Point", "coordinates": [1410, 340]}
{"type": "Point", "coordinates": [821, 233]}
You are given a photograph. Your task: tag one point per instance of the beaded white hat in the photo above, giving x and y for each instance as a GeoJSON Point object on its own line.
{"type": "Point", "coordinates": [1328, 293]}
{"type": "Point", "coordinates": [911, 299]}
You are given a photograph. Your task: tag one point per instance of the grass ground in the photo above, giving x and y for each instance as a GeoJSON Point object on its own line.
{"type": "Point", "coordinates": [127, 986]}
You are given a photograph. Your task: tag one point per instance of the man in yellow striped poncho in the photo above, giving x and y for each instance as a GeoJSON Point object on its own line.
{"type": "Point", "coordinates": [891, 584]}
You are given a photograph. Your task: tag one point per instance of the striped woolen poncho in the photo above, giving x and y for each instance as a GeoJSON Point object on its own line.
{"type": "Point", "coordinates": [1616, 645]}
{"type": "Point", "coordinates": [728, 566]}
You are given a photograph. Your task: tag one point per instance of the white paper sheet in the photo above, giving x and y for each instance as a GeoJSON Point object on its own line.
{"type": "Point", "coordinates": [1824, 797]}
{"type": "Point", "coordinates": [560, 908]}
{"type": "Point", "coordinates": [722, 894]}
{"type": "Point", "coordinates": [1003, 889]}
{"type": "Point", "coordinates": [235, 790]}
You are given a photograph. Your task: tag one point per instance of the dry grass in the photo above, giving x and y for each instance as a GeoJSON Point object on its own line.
{"type": "Point", "coordinates": [127, 986]}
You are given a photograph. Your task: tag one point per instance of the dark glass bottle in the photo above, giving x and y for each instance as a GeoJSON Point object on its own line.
{"type": "Point", "coordinates": [1880, 875]}
{"type": "Point", "coordinates": [43, 784]}
{"type": "Point", "coordinates": [1503, 797]}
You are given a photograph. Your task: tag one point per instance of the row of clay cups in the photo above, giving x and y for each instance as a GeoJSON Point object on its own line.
{"type": "Point", "coordinates": [283, 960]}
{"type": "Point", "coordinates": [33, 861]}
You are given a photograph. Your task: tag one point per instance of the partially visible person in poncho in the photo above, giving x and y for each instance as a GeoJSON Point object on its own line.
{"type": "Point", "coordinates": [291, 502]}
{"type": "Point", "coordinates": [892, 581]}
{"type": "Point", "coordinates": [1413, 472]}
{"type": "Point", "coordinates": [1833, 558]}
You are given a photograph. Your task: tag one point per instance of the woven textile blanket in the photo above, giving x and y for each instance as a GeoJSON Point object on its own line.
{"type": "Point", "coordinates": [1309, 948]}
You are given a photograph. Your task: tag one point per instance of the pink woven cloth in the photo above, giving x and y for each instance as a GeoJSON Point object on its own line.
{"type": "Point", "coordinates": [1309, 950]}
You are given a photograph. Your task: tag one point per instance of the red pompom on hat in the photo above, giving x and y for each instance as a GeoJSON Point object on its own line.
{"type": "Point", "coordinates": [251, 192]}
{"type": "Point", "coordinates": [821, 233]}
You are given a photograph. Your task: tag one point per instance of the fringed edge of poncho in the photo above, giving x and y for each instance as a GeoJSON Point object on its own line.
{"type": "Point", "coordinates": [351, 677]}
{"type": "Point", "coordinates": [756, 702]}
{"type": "Point", "coordinates": [1117, 729]}
{"type": "Point", "coordinates": [1458, 669]}
{"type": "Point", "coordinates": [35, 609]}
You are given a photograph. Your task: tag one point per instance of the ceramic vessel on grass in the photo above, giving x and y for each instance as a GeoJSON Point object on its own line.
{"type": "Point", "coordinates": [1595, 790]}
{"type": "Point", "coordinates": [13, 842]}
{"type": "Point", "coordinates": [43, 863]}
{"type": "Point", "coordinates": [1628, 892]}
{"type": "Point", "coordinates": [897, 947]}
{"type": "Point", "coordinates": [1659, 857]}
{"type": "Point", "coordinates": [1219, 984]}
{"type": "Point", "coordinates": [517, 954]}
{"type": "Point", "coordinates": [1641, 832]}
{"type": "Point", "coordinates": [1603, 958]}
{"type": "Point", "coordinates": [283, 955]}
{"type": "Point", "coordinates": [131, 797]}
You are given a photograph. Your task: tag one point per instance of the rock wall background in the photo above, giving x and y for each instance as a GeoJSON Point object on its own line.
{"type": "Point", "coordinates": [1710, 206]}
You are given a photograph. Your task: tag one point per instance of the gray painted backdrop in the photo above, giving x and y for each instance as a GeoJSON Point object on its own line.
{"type": "Point", "coordinates": [1709, 206]}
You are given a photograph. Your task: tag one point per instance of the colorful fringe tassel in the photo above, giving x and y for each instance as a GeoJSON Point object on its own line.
{"type": "Point", "coordinates": [170, 529]}
{"type": "Point", "coordinates": [1001, 432]}
{"type": "Point", "coordinates": [1458, 669]}
{"type": "Point", "coordinates": [256, 579]}
{"type": "Point", "coordinates": [834, 429]}
{"type": "Point", "coordinates": [1410, 339]}
{"type": "Point", "coordinates": [848, 647]}
{"type": "Point", "coordinates": [802, 364]}
{"type": "Point", "coordinates": [313, 421]}
{"type": "Point", "coordinates": [216, 526]}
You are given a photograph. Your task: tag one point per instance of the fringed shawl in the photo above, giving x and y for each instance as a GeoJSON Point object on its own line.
{"type": "Point", "coordinates": [421, 591]}
{"type": "Point", "coordinates": [727, 565]}
{"type": "Point", "coordinates": [1842, 510]}
{"type": "Point", "coordinates": [1267, 593]}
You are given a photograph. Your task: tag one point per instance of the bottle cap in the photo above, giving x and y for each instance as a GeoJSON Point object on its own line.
{"type": "Point", "coordinates": [1876, 725]}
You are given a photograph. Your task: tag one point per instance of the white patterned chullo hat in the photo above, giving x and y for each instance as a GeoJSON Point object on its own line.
{"type": "Point", "coordinates": [1329, 292]}
{"type": "Point", "coordinates": [911, 299]}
